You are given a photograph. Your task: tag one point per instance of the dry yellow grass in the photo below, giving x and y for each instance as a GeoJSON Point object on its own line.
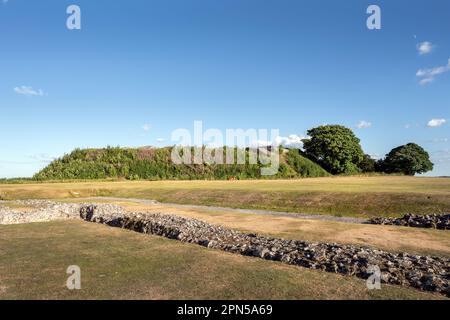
{"type": "Point", "coordinates": [354, 196]}
{"type": "Point", "coordinates": [330, 184]}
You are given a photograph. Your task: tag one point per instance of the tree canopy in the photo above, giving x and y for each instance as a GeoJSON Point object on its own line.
{"type": "Point", "coordinates": [408, 159]}
{"type": "Point", "coordinates": [335, 148]}
{"type": "Point", "coordinates": [368, 164]}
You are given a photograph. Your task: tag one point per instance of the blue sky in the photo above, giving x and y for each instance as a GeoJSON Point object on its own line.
{"type": "Point", "coordinates": [137, 70]}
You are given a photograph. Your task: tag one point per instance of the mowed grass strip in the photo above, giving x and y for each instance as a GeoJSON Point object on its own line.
{"type": "Point", "coordinates": [340, 196]}
{"type": "Point", "coordinates": [120, 264]}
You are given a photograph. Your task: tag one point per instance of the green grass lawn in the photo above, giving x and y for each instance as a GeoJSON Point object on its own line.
{"type": "Point", "coordinates": [350, 196]}
{"type": "Point", "coordinates": [120, 264]}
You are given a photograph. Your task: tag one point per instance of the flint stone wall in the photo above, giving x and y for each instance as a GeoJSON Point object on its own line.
{"type": "Point", "coordinates": [433, 221]}
{"type": "Point", "coordinates": [421, 272]}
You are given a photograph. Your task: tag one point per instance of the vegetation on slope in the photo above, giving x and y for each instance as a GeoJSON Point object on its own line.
{"type": "Point", "coordinates": [156, 164]}
{"type": "Point", "coordinates": [329, 148]}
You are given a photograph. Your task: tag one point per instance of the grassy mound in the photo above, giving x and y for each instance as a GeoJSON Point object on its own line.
{"type": "Point", "coordinates": [156, 164]}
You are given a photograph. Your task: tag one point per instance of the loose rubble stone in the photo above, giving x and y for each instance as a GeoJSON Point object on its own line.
{"type": "Point", "coordinates": [422, 272]}
{"type": "Point", "coordinates": [433, 221]}
{"type": "Point", "coordinates": [44, 210]}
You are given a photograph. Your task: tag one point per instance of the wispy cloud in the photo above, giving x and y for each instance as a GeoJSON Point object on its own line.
{"type": "Point", "coordinates": [433, 123]}
{"type": "Point", "coordinates": [29, 91]}
{"type": "Point", "coordinates": [42, 157]}
{"type": "Point", "coordinates": [146, 127]}
{"type": "Point", "coordinates": [425, 47]}
{"type": "Point", "coordinates": [426, 81]}
{"type": "Point", "coordinates": [160, 140]}
{"type": "Point", "coordinates": [428, 75]}
{"type": "Point", "coordinates": [364, 124]}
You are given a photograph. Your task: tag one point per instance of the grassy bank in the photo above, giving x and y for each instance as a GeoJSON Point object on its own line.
{"type": "Point", "coordinates": [156, 164]}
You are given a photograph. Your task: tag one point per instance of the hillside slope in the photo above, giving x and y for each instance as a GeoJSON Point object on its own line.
{"type": "Point", "coordinates": [155, 164]}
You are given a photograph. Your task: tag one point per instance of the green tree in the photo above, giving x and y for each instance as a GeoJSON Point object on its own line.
{"type": "Point", "coordinates": [368, 164]}
{"type": "Point", "coordinates": [335, 148]}
{"type": "Point", "coordinates": [408, 159]}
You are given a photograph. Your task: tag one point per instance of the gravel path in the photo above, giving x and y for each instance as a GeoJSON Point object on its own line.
{"type": "Point", "coordinates": [245, 211]}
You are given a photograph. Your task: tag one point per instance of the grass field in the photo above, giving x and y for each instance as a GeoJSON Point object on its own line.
{"type": "Point", "coordinates": [346, 196]}
{"type": "Point", "coordinates": [120, 264]}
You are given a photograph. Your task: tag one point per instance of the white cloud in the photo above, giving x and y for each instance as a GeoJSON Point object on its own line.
{"type": "Point", "coordinates": [146, 127]}
{"type": "Point", "coordinates": [364, 124]}
{"type": "Point", "coordinates": [428, 75]}
{"type": "Point", "coordinates": [425, 48]}
{"type": "Point", "coordinates": [293, 141]}
{"type": "Point", "coordinates": [426, 81]}
{"type": "Point", "coordinates": [28, 91]}
{"type": "Point", "coordinates": [160, 140]}
{"type": "Point", "coordinates": [433, 123]}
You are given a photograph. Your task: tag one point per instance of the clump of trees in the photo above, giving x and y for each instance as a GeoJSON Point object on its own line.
{"type": "Point", "coordinates": [408, 159]}
{"type": "Point", "coordinates": [338, 150]}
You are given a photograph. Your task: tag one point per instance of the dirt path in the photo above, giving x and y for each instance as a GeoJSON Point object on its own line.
{"type": "Point", "coordinates": [246, 211]}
